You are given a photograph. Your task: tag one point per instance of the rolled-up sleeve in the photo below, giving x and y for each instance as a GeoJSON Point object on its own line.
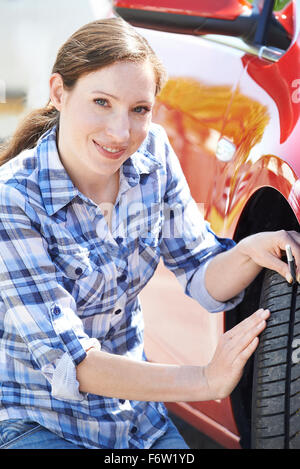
{"type": "Point", "coordinates": [197, 290]}
{"type": "Point", "coordinates": [39, 311]}
{"type": "Point", "coordinates": [188, 243]}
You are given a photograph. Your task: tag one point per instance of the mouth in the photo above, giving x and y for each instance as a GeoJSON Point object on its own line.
{"type": "Point", "coordinates": [112, 153]}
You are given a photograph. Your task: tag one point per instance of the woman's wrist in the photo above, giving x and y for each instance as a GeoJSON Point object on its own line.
{"type": "Point", "coordinates": [246, 251]}
{"type": "Point", "coordinates": [230, 272]}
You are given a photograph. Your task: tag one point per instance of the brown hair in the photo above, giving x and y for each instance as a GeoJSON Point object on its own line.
{"type": "Point", "coordinates": [95, 45]}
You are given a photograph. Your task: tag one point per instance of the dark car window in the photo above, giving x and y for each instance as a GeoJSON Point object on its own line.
{"type": "Point", "coordinates": [257, 27]}
{"type": "Point", "coordinates": [280, 4]}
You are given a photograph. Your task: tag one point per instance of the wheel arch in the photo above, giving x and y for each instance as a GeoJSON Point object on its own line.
{"type": "Point", "coordinates": [266, 210]}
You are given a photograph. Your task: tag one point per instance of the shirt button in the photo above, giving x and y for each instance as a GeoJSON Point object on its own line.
{"type": "Point", "coordinates": [122, 278]}
{"type": "Point", "coordinates": [56, 310]}
{"type": "Point", "coordinates": [119, 240]}
{"type": "Point", "coordinates": [118, 311]}
{"type": "Point", "coordinates": [134, 429]}
{"type": "Point", "coordinates": [78, 271]}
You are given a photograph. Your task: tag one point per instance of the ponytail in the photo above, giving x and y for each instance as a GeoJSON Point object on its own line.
{"type": "Point", "coordinates": [29, 131]}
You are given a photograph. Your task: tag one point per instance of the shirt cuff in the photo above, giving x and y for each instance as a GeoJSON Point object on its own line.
{"type": "Point", "coordinates": [198, 291]}
{"type": "Point", "coordinates": [62, 375]}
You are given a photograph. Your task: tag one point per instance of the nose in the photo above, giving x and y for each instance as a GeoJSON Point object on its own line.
{"type": "Point", "coordinates": [118, 127]}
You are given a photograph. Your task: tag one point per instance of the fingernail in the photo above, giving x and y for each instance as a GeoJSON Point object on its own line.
{"type": "Point", "coordinates": [289, 278]}
{"type": "Point", "coordinates": [264, 313]}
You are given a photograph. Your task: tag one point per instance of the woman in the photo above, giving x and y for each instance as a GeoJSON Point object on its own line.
{"type": "Point", "coordinates": [91, 196]}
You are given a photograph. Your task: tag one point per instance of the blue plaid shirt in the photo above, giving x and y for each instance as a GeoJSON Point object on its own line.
{"type": "Point", "coordinates": [69, 282]}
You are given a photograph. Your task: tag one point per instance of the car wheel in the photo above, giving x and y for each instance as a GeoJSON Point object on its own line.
{"type": "Point", "coordinates": [275, 418]}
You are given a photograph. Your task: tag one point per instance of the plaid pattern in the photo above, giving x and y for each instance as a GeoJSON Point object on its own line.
{"type": "Point", "coordinates": [69, 283]}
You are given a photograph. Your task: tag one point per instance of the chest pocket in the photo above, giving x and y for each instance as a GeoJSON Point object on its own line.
{"type": "Point", "coordinates": [87, 281]}
{"type": "Point", "coordinates": [72, 263]}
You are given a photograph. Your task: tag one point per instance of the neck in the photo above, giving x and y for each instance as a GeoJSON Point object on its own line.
{"type": "Point", "coordinates": [104, 189]}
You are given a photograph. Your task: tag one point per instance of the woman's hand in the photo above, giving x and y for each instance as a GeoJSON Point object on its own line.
{"type": "Point", "coordinates": [234, 349]}
{"type": "Point", "coordinates": [230, 272]}
{"type": "Point", "coordinates": [267, 248]}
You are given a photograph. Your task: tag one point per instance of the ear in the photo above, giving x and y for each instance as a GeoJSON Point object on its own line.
{"type": "Point", "coordinates": [56, 90]}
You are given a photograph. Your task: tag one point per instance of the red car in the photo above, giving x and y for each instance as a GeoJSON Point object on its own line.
{"type": "Point", "coordinates": [231, 109]}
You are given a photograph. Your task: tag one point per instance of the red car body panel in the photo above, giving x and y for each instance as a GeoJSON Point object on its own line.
{"type": "Point", "coordinates": [287, 17]}
{"type": "Point", "coordinates": [208, 8]}
{"type": "Point", "coordinates": [219, 95]}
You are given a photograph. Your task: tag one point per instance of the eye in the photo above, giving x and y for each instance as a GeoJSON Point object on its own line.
{"type": "Point", "coordinates": [142, 110]}
{"type": "Point", "coordinates": [101, 102]}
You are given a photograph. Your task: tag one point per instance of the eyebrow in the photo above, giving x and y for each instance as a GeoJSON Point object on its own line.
{"type": "Point", "coordinates": [103, 92]}
{"type": "Point", "coordinates": [115, 97]}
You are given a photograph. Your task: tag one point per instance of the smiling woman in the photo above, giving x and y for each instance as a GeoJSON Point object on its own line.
{"type": "Point", "coordinates": [73, 371]}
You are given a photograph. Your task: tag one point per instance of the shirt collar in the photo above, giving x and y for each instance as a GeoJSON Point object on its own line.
{"type": "Point", "coordinates": [143, 161]}
{"type": "Point", "coordinates": [58, 189]}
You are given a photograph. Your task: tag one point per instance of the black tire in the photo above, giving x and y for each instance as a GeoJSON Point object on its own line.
{"type": "Point", "coordinates": [275, 418]}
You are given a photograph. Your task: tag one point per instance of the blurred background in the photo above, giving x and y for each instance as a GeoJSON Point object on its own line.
{"type": "Point", "coordinates": [31, 32]}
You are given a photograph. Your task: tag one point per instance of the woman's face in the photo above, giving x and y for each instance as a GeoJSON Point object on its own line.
{"type": "Point", "coordinates": [104, 118]}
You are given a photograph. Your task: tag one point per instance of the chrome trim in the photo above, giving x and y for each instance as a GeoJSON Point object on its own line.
{"type": "Point", "coordinates": [269, 53]}
{"type": "Point", "coordinates": [225, 150]}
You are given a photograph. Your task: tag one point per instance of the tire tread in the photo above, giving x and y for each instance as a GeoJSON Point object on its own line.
{"type": "Point", "coordinates": [274, 373]}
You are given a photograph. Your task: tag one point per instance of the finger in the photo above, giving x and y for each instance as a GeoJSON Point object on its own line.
{"type": "Point", "coordinates": [295, 235]}
{"type": "Point", "coordinates": [251, 321]}
{"type": "Point", "coordinates": [294, 242]}
{"type": "Point", "coordinates": [281, 267]}
{"type": "Point", "coordinates": [248, 343]}
{"type": "Point", "coordinates": [246, 353]}
{"type": "Point", "coordinates": [241, 337]}
{"type": "Point", "coordinates": [284, 238]}
{"type": "Point", "coordinates": [251, 334]}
